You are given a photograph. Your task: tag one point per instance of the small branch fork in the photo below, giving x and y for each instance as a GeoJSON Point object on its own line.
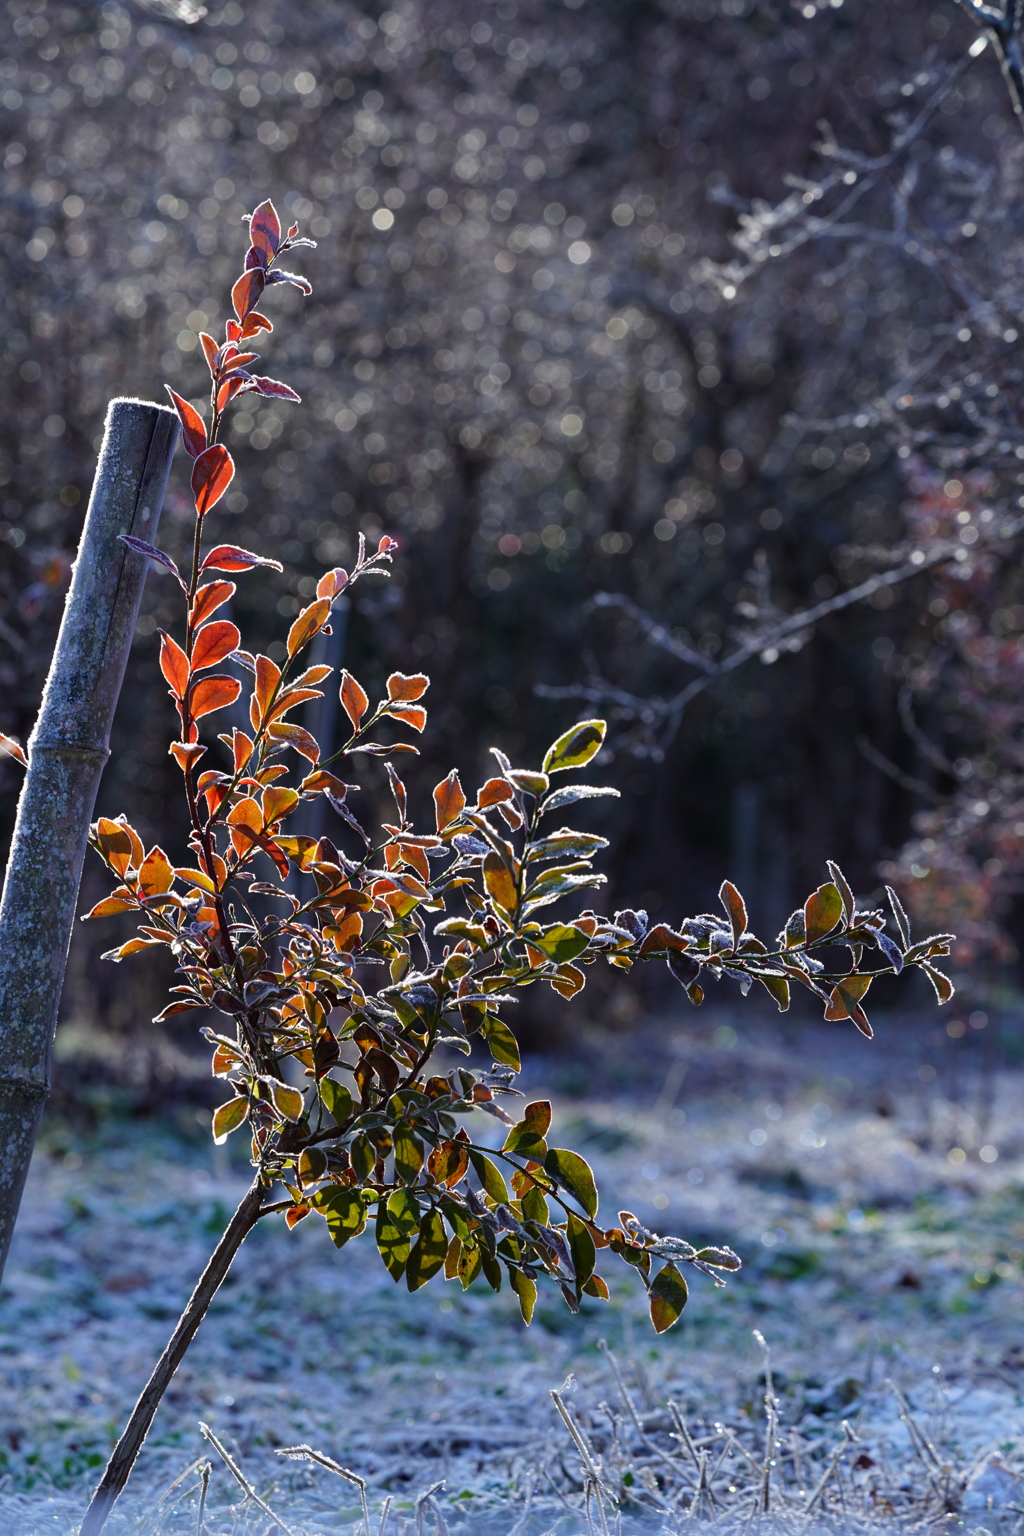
{"type": "Point", "coordinates": [1003, 27]}
{"type": "Point", "coordinates": [671, 710]}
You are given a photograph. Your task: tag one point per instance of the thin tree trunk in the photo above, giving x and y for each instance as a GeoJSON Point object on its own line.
{"type": "Point", "coordinates": [130, 1444]}
{"type": "Point", "coordinates": [67, 753]}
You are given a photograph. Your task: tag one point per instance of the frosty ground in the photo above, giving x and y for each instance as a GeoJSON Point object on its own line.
{"type": "Point", "coordinates": [874, 1192]}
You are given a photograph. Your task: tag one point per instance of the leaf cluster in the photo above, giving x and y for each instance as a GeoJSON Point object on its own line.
{"type": "Point", "coordinates": [386, 949]}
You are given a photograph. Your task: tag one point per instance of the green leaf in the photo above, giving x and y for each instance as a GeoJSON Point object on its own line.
{"type": "Point", "coordinates": [403, 1210]}
{"type": "Point", "coordinates": [574, 1175]}
{"type": "Point", "coordinates": [429, 1252]}
{"type": "Point", "coordinates": [408, 1154]}
{"type": "Point", "coordinates": [558, 882]}
{"type": "Point", "coordinates": [902, 920]}
{"type": "Point", "coordinates": [527, 1136]}
{"type": "Point", "coordinates": [561, 942]}
{"type": "Point", "coordinates": [823, 911]}
{"type": "Point", "coordinates": [492, 1271]}
{"type": "Point", "coordinates": [778, 986]}
{"type": "Point", "coordinates": [668, 1297]}
{"type": "Point", "coordinates": [535, 1207]}
{"type": "Point", "coordinates": [842, 885]}
{"type": "Point", "coordinates": [362, 1155]}
{"type": "Point", "coordinates": [526, 1291]}
{"type": "Point", "coordinates": [287, 1101]}
{"type": "Point", "coordinates": [393, 1242]}
{"type": "Point", "coordinates": [581, 1246]}
{"type": "Point", "coordinates": [491, 1180]}
{"type": "Point", "coordinates": [501, 1042]}
{"type": "Point", "coordinates": [337, 1099]}
{"type": "Point", "coordinates": [575, 747]}
{"type": "Point", "coordinates": [565, 843]}
{"type": "Point", "coordinates": [573, 792]}
{"type": "Point", "coordinates": [345, 1214]}
{"type": "Point", "coordinates": [228, 1118]}
{"type": "Point", "coordinates": [469, 1265]}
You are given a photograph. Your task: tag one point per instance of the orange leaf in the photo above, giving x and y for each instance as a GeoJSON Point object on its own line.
{"type": "Point", "coordinates": [494, 791]}
{"type": "Point", "coordinates": [241, 748]}
{"type": "Point", "coordinates": [449, 801]}
{"type": "Point", "coordinates": [224, 1061]}
{"type": "Point", "coordinates": [212, 693]}
{"type": "Point", "coordinates": [277, 802]}
{"type": "Point", "coordinates": [174, 665]}
{"type": "Point", "coordinates": [403, 689]}
{"type": "Point", "coordinates": [309, 623]}
{"type": "Point", "coordinates": [296, 1213]}
{"type": "Point", "coordinates": [193, 428]}
{"type": "Point", "coordinates": [208, 599]}
{"type": "Point", "coordinates": [229, 389]}
{"type": "Point", "coordinates": [268, 675]}
{"type": "Point", "coordinates": [353, 698]}
{"type": "Point", "coordinates": [110, 906]}
{"type": "Point", "coordinates": [290, 699]}
{"type": "Point", "coordinates": [115, 845]}
{"type": "Point", "coordinates": [298, 738]}
{"type": "Point", "coordinates": [212, 473]}
{"type": "Point", "coordinates": [212, 643]}
{"type": "Point", "coordinates": [156, 875]}
{"type": "Point", "coordinates": [186, 754]}
{"type": "Point", "coordinates": [332, 583]}
{"type": "Point", "coordinates": [13, 749]}
{"type": "Point", "coordinates": [411, 714]}
{"type": "Point", "coordinates": [499, 882]}
{"type": "Point", "coordinates": [246, 822]}
{"type": "Point", "coordinates": [246, 293]}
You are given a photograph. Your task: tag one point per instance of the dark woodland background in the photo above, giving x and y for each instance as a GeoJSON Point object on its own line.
{"type": "Point", "coordinates": [714, 304]}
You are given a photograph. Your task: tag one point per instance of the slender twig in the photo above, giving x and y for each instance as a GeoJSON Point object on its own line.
{"type": "Point", "coordinates": [240, 1477]}
{"type": "Point", "coordinates": [307, 1453]}
{"type": "Point", "coordinates": [126, 1450]}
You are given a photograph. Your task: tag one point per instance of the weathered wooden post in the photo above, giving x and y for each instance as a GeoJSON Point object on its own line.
{"type": "Point", "coordinates": [66, 756]}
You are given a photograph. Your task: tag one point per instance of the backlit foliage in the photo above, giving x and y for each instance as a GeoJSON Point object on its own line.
{"type": "Point", "coordinates": [355, 977]}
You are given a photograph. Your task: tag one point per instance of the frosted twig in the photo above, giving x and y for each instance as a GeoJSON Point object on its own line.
{"type": "Point", "coordinates": [307, 1453]}
{"type": "Point", "coordinates": [240, 1477]}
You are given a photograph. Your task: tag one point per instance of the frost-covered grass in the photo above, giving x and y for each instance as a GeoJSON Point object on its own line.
{"type": "Point", "coordinates": [870, 1256]}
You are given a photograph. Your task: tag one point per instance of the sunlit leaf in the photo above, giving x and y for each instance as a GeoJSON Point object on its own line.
{"type": "Point", "coordinates": [156, 875]}
{"type": "Point", "coordinates": [228, 1118]}
{"type": "Point", "coordinates": [735, 906]}
{"type": "Point", "coordinates": [174, 665]}
{"type": "Point", "coordinates": [212, 473]}
{"type": "Point", "coordinates": [345, 1214]}
{"type": "Point", "coordinates": [429, 1251]}
{"type": "Point", "coordinates": [193, 428]}
{"type": "Point", "coordinates": [212, 693]}
{"type": "Point", "coordinates": [309, 623]}
{"type": "Point", "coordinates": [527, 1136]}
{"type": "Point", "coordinates": [501, 1042]}
{"type": "Point", "coordinates": [212, 643]}
{"type": "Point", "coordinates": [575, 747]}
{"type": "Point", "coordinates": [287, 1101]}
{"type": "Point", "coordinates": [228, 557]}
{"type": "Point", "coordinates": [668, 1296]}
{"type": "Point", "coordinates": [823, 911]}
{"type": "Point", "coordinates": [526, 1293]}
{"type": "Point", "coordinates": [265, 231]}
{"type": "Point", "coordinates": [491, 1180]}
{"type": "Point", "coordinates": [449, 801]}
{"type": "Point", "coordinates": [353, 699]}
{"type": "Point", "coordinates": [404, 689]}
{"type": "Point", "coordinates": [562, 942]}
{"type": "Point", "coordinates": [501, 887]}
{"type": "Point", "coordinates": [574, 1175]}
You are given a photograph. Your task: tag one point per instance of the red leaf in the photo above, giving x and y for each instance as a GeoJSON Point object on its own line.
{"type": "Point", "coordinates": [10, 748]}
{"type": "Point", "coordinates": [236, 384]}
{"type": "Point", "coordinates": [212, 643]}
{"type": "Point", "coordinates": [228, 557]}
{"type": "Point", "coordinates": [141, 547]}
{"type": "Point", "coordinates": [208, 599]}
{"type": "Point", "coordinates": [265, 231]}
{"type": "Point", "coordinates": [246, 293]}
{"type": "Point", "coordinates": [212, 473]}
{"type": "Point", "coordinates": [193, 428]}
{"type": "Point", "coordinates": [213, 693]}
{"type": "Point", "coordinates": [254, 323]}
{"type": "Point", "coordinates": [174, 665]}
{"type": "Point", "coordinates": [211, 349]}
{"type": "Point", "coordinates": [274, 387]}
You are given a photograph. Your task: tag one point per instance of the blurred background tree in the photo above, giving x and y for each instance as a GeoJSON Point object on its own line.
{"type": "Point", "coordinates": [713, 304]}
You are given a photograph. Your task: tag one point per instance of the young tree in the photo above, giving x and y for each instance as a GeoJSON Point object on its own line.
{"type": "Point", "coordinates": [346, 971]}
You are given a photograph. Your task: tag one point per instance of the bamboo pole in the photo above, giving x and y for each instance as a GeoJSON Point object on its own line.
{"type": "Point", "coordinates": [67, 753]}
